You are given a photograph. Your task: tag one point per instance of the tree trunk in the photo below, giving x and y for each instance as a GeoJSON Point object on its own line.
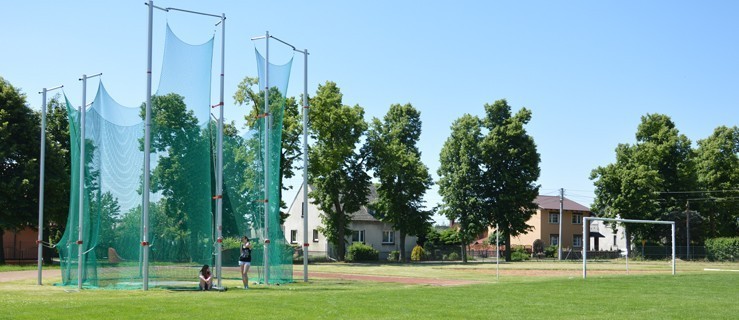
{"type": "Point", "coordinates": [402, 257]}
{"type": "Point", "coordinates": [464, 252]}
{"type": "Point", "coordinates": [2, 247]}
{"type": "Point", "coordinates": [507, 243]}
{"type": "Point", "coordinates": [341, 241]}
{"type": "Point", "coordinates": [463, 243]}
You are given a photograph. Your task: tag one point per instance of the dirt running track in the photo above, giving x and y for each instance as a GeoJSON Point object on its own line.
{"type": "Point", "coordinates": [32, 274]}
{"type": "Point", "coordinates": [298, 275]}
{"type": "Point", "coordinates": [27, 275]}
{"type": "Point", "coordinates": [404, 280]}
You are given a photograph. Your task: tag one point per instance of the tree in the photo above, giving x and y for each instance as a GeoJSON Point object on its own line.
{"type": "Point", "coordinates": [634, 187]}
{"type": "Point", "coordinates": [460, 179]}
{"type": "Point", "coordinates": [510, 165]}
{"type": "Point", "coordinates": [336, 172]}
{"type": "Point", "coordinates": [109, 211]}
{"type": "Point", "coordinates": [393, 155]}
{"type": "Point", "coordinates": [180, 173]}
{"type": "Point", "coordinates": [717, 164]}
{"type": "Point", "coordinates": [292, 128]}
{"type": "Point", "coordinates": [19, 151]}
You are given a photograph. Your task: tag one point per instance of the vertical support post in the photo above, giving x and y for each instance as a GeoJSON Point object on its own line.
{"type": "Point", "coordinates": [673, 248]}
{"type": "Point", "coordinates": [305, 168]}
{"type": "Point", "coordinates": [147, 158]}
{"type": "Point", "coordinates": [561, 217]}
{"type": "Point", "coordinates": [584, 248]}
{"type": "Point", "coordinates": [41, 186]}
{"type": "Point", "coordinates": [687, 230]}
{"type": "Point", "coordinates": [81, 199]}
{"type": "Point", "coordinates": [267, 131]}
{"type": "Point", "coordinates": [219, 176]}
{"type": "Point", "coordinates": [628, 243]}
{"type": "Point", "coordinates": [497, 253]}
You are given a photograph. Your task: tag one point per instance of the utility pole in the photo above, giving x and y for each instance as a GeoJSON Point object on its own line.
{"type": "Point", "coordinates": [687, 229]}
{"type": "Point", "coordinates": [559, 236]}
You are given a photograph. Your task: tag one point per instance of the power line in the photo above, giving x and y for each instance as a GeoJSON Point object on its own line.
{"type": "Point", "coordinates": [697, 191]}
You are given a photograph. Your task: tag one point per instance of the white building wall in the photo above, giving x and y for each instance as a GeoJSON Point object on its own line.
{"type": "Point", "coordinates": [295, 222]}
{"type": "Point", "coordinates": [614, 240]}
{"type": "Point", "coordinates": [373, 231]}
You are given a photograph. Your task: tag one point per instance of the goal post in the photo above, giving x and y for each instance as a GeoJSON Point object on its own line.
{"type": "Point", "coordinates": [586, 238]}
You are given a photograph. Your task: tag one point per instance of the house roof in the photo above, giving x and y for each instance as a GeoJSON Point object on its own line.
{"type": "Point", "coordinates": [552, 203]}
{"type": "Point", "coordinates": [364, 213]}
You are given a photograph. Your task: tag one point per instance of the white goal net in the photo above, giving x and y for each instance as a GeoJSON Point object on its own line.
{"type": "Point", "coordinates": [586, 228]}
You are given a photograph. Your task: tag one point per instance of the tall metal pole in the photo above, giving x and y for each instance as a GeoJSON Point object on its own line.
{"type": "Point", "coordinates": [628, 243]}
{"type": "Point", "coordinates": [147, 157]}
{"type": "Point", "coordinates": [42, 166]}
{"type": "Point", "coordinates": [41, 186]}
{"type": "Point", "coordinates": [497, 253]}
{"type": "Point", "coordinates": [561, 217]}
{"type": "Point", "coordinates": [687, 230]}
{"type": "Point", "coordinates": [584, 249]}
{"type": "Point", "coordinates": [219, 177]}
{"type": "Point", "coordinates": [673, 248]}
{"type": "Point", "coordinates": [266, 162]}
{"type": "Point", "coordinates": [81, 199]}
{"type": "Point", "coordinates": [305, 168]}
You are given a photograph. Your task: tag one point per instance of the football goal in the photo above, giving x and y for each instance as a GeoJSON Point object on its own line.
{"type": "Point", "coordinates": [586, 229]}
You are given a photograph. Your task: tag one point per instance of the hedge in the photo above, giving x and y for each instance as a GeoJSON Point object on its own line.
{"type": "Point", "coordinates": [722, 249]}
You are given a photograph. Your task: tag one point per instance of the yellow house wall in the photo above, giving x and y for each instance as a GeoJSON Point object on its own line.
{"type": "Point", "coordinates": [542, 228]}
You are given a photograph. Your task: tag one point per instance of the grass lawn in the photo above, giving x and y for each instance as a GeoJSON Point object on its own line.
{"type": "Point", "coordinates": [691, 294]}
{"type": "Point", "coordinates": [22, 267]}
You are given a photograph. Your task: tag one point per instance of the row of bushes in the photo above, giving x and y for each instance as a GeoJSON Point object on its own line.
{"type": "Point", "coordinates": [717, 249]}
{"type": "Point", "coordinates": [722, 249]}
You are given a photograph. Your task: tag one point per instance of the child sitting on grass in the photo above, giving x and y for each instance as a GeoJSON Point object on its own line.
{"type": "Point", "coordinates": [206, 280]}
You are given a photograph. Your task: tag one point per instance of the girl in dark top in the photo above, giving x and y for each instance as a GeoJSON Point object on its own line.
{"type": "Point", "coordinates": [206, 280]}
{"type": "Point", "coordinates": [245, 260]}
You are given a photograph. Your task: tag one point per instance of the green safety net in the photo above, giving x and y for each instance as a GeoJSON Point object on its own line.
{"type": "Point", "coordinates": [279, 253]}
{"type": "Point", "coordinates": [182, 230]}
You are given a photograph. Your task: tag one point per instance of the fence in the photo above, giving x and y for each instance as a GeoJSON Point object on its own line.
{"type": "Point", "coordinates": [21, 251]}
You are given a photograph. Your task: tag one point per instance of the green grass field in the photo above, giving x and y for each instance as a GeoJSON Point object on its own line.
{"type": "Point", "coordinates": [649, 292]}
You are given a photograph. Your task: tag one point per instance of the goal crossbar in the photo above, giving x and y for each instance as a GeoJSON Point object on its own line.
{"type": "Point", "coordinates": [586, 238]}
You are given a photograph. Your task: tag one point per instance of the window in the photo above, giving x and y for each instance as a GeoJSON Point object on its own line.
{"type": "Point", "coordinates": [358, 236]}
{"type": "Point", "coordinates": [388, 237]}
{"type": "Point", "coordinates": [614, 240]}
{"type": "Point", "coordinates": [577, 241]}
{"type": "Point", "coordinates": [315, 235]}
{"type": "Point", "coordinates": [553, 239]}
{"type": "Point", "coordinates": [554, 217]}
{"type": "Point", "coordinates": [293, 236]}
{"type": "Point", "coordinates": [577, 218]}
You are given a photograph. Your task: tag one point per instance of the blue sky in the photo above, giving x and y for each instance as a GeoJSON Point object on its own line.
{"type": "Point", "coordinates": [587, 69]}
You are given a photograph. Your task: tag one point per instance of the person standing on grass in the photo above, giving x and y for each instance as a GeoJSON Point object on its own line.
{"type": "Point", "coordinates": [245, 260]}
{"type": "Point", "coordinates": [206, 280]}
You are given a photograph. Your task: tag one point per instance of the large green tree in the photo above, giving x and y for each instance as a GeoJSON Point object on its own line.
{"type": "Point", "coordinates": [393, 156]}
{"type": "Point", "coordinates": [336, 170]}
{"type": "Point", "coordinates": [647, 178]}
{"type": "Point", "coordinates": [460, 179]}
{"type": "Point", "coordinates": [717, 164]}
{"type": "Point", "coordinates": [292, 128]}
{"type": "Point", "coordinates": [510, 165]}
{"type": "Point", "coordinates": [180, 176]}
{"type": "Point", "coordinates": [19, 151]}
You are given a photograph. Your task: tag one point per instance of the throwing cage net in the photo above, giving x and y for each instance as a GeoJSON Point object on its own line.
{"type": "Point", "coordinates": [182, 212]}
